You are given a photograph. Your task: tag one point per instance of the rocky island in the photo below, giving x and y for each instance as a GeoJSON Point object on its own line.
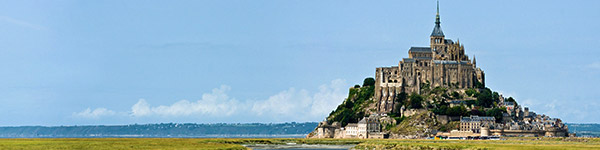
{"type": "Point", "coordinates": [438, 91]}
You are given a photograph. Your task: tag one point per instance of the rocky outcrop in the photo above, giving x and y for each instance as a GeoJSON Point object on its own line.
{"type": "Point", "coordinates": [420, 125]}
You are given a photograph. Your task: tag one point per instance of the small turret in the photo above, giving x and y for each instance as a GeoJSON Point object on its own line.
{"type": "Point", "coordinates": [474, 61]}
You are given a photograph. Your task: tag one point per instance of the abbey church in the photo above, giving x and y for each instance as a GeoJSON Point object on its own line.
{"type": "Point", "coordinates": [442, 64]}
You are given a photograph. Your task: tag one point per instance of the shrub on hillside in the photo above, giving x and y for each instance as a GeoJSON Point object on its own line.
{"type": "Point", "coordinates": [369, 82]}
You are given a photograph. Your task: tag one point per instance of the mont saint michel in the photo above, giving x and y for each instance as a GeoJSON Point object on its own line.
{"type": "Point", "coordinates": [438, 91]}
{"type": "Point", "coordinates": [300, 74]}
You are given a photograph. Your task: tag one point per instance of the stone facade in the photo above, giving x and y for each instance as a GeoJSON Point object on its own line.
{"type": "Point", "coordinates": [368, 127]}
{"type": "Point", "coordinates": [444, 63]}
{"type": "Point", "coordinates": [476, 123]}
{"type": "Point", "coordinates": [325, 130]}
{"type": "Point", "coordinates": [351, 130]}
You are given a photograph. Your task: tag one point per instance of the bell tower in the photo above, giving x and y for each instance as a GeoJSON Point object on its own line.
{"type": "Point", "coordinates": [437, 36]}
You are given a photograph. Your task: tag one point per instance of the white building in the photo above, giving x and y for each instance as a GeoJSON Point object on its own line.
{"type": "Point", "coordinates": [368, 127]}
{"type": "Point", "coordinates": [474, 123]}
{"type": "Point", "coordinates": [351, 130]}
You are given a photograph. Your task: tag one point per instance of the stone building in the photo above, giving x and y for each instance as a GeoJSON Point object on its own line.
{"type": "Point", "coordinates": [351, 130]}
{"type": "Point", "coordinates": [368, 127]}
{"type": "Point", "coordinates": [475, 123]}
{"type": "Point", "coordinates": [444, 63]}
{"type": "Point", "coordinates": [325, 130]}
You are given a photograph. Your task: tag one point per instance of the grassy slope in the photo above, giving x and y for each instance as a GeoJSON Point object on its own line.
{"type": "Point", "coordinates": [354, 107]}
{"type": "Point", "coordinates": [176, 143]}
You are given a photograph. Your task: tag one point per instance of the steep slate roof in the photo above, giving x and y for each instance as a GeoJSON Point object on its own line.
{"type": "Point", "coordinates": [449, 62]}
{"type": "Point", "coordinates": [351, 125]}
{"type": "Point", "coordinates": [477, 118]}
{"type": "Point", "coordinates": [423, 58]}
{"type": "Point", "coordinates": [408, 60]}
{"type": "Point", "coordinates": [437, 30]}
{"type": "Point", "coordinates": [363, 120]}
{"type": "Point", "coordinates": [449, 41]}
{"type": "Point", "coordinates": [420, 49]}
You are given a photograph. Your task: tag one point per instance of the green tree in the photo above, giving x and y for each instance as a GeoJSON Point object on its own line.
{"type": "Point", "coordinates": [439, 90]}
{"type": "Point", "coordinates": [456, 95]}
{"type": "Point", "coordinates": [470, 102]}
{"type": "Point", "coordinates": [485, 98]}
{"type": "Point", "coordinates": [478, 111]}
{"type": "Point", "coordinates": [351, 110]}
{"type": "Point", "coordinates": [400, 101]}
{"type": "Point", "coordinates": [511, 99]}
{"type": "Point", "coordinates": [401, 98]}
{"type": "Point", "coordinates": [496, 113]}
{"type": "Point", "coordinates": [425, 87]}
{"type": "Point", "coordinates": [457, 111]}
{"type": "Point", "coordinates": [348, 104]}
{"type": "Point", "coordinates": [416, 101]}
{"type": "Point", "coordinates": [471, 92]}
{"type": "Point", "coordinates": [479, 84]}
{"type": "Point", "coordinates": [442, 110]}
{"type": "Point", "coordinates": [495, 96]}
{"type": "Point", "coordinates": [369, 82]}
{"type": "Point", "coordinates": [445, 95]}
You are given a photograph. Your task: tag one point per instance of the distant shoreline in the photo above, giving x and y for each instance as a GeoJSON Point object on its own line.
{"type": "Point", "coordinates": [164, 130]}
{"type": "Point", "coordinates": [152, 136]}
{"type": "Point", "coordinates": [191, 130]}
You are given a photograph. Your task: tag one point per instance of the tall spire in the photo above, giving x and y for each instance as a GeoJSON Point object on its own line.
{"type": "Point", "coordinates": [437, 14]}
{"type": "Point", "coordinates": [437, 30]}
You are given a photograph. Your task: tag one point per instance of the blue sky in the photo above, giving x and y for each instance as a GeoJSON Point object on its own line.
{"type": "Point", "coordinates": [125, 62]}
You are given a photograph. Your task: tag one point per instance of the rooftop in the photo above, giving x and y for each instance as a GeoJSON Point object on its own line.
{"type": "Point", "coordinates": [509, 103]}
{"type": "Point", "coordinates": [477, 118]}
{"type": "Point", "coordinates": [437, 30]}
{"type": "Point", "coordinates": [420, 49]}
{"type": "Point", "coordinates": [449, 62]}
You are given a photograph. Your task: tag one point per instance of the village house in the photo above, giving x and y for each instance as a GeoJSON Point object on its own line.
{"type": "Point", "coordinates": [474, 123]}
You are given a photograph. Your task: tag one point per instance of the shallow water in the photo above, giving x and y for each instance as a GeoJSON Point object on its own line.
{"type": "Point", "coordinates": [293, 146]}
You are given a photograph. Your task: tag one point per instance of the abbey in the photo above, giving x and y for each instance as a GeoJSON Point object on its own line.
{"type": "Point", "coordinates": [442, 64]}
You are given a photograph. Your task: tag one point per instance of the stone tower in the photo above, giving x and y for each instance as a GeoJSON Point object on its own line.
{"type": "Point", "coordinates": [437, 36]}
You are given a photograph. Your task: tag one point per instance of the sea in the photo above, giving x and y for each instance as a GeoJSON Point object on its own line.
{"type": "Point", "coordinates": [174, 130]}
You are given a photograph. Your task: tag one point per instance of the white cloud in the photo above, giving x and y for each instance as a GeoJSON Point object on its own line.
{"type": "Point", "coordinates": [287, 105]}
{"type": "Point", "coordinates": [141, 108]}
{"type": "Point", "coordinates": [300, 105]}
{"type": "Point", "coordinates": [216, 103]}
{"type": "Point", "coordinates": [328, 97]}
{"type": "Point", "coordinates": [96, 113]}
{"type": "Point", "coordinates": [569, 111]}
{"type": "Point", "coordinates": [283, 103]}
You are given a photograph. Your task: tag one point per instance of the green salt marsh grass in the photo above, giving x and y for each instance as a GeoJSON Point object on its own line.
{"type": "Point", "coordinates": [114, 144]}
{"type": "Point", "coordinates": [509, 144]}
{"type": "Point", "coordinates": [216, 143]}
